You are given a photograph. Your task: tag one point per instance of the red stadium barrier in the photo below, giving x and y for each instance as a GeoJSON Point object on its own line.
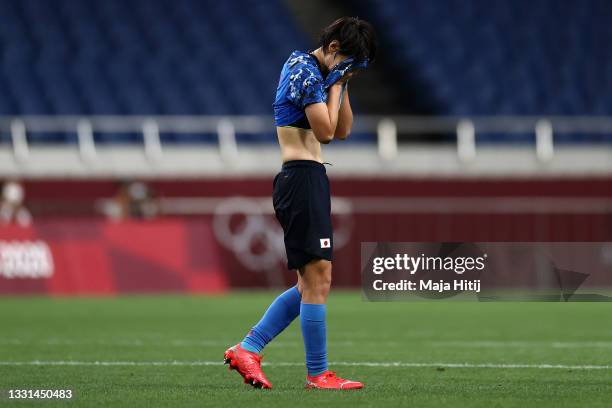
{"type": "Point", "coordinates": [72, 256]}
{"type": "Point", "coordinates": [210, 251]}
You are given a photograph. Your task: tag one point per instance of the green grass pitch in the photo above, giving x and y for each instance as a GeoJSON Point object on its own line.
{"type": "Point", "coordinates": [167, 351]}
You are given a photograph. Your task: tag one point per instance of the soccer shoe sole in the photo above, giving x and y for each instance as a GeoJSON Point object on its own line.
{"type": "Point", "coordinates": [311, 386]}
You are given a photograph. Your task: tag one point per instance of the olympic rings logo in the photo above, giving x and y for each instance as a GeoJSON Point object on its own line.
{"type": "Point", "coordinates": [248, 228]}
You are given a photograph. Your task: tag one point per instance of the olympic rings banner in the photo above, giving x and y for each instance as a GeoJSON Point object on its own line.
{"type": "Point", "coordinates": [235, 242]}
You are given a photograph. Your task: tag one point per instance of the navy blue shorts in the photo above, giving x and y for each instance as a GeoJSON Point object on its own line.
{"type": "Point", "coordinates": [302, 205]}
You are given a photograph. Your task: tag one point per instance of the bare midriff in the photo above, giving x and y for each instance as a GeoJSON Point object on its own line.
{"type": "Point", "coordinates": [298, 144]}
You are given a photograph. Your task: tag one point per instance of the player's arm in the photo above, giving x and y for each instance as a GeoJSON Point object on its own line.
{"type": "Point", "coordinates": [323, 117]}
{"type": "Point", "coordinates": [345, 117]}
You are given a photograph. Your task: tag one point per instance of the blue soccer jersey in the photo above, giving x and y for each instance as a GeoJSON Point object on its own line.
{"type": "Point", "coordinates": [301, 84]}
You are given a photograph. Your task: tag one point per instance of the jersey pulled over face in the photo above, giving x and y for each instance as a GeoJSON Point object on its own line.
{"type": "Point", "coordinates": [300, 84]}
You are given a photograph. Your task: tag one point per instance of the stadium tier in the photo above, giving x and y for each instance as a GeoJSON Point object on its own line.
{"type": "Point", "coordinates": [502, 58]}
{"type": "Point", "coordinates": [186, 57]}
{"type": "Point", "coordinates": [142, 57]}
{"type": "Point", "coordinates": [484, 57]}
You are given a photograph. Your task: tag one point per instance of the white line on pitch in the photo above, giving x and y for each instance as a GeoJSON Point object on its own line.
{"type": "Point", "coordinates": [522, 344]}
{"type": "Point", "coordinates": [294, 364]}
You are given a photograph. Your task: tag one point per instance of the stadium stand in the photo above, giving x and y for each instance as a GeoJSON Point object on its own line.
{"type": "Point", "coordinates": [141, 57]}
{"type": "Point", "coordinates": [483, 57]}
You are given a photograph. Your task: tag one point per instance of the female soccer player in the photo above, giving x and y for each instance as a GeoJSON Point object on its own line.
{"type": "Point", "coordinates": [311, 107]}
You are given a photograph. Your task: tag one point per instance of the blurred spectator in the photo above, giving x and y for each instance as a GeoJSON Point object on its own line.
{"type": "Point", "coordinates": [12, 209]}
{"type": "Point", "coordinates": [133, 200]}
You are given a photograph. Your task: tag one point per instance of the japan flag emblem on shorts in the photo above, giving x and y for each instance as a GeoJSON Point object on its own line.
{"type": "Point", "coordinates": [325, 243]}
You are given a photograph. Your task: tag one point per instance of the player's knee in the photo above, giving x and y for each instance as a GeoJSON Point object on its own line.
{"type": "Point", "coordinates": [319, 277]}
{"type": "Point", "coordinates": [325, 280]}
{"type": "Point", "coordinates": [322, 286]}
{"type": "Point", "coordinates": [319, 288]}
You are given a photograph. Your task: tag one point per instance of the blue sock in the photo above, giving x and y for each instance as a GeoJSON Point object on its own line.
{"type": "Point", "coordinates": [284, 309]}
{"type": "Point", "coordinates": [312, 319]}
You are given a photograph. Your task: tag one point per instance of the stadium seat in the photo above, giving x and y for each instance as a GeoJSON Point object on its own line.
{"type": "Point", "coordinates": [484, 57]}
{"type": "Point", "coordinates": [142, 57]}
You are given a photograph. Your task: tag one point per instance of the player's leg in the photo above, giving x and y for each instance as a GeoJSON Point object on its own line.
{"type": "Point", "coordinates": [281, 312]}
{"type": "Point", "coordinates": [316, 283]}
{"type": "Point", "coordinates": [244, 357]}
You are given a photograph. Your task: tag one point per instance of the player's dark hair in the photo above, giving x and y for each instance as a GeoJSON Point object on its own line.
{"type": "Point", "coordinates": [357, 38]}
